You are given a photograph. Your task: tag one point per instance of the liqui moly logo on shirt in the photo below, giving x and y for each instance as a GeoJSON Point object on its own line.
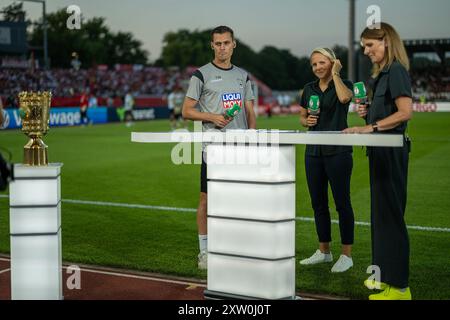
{"type": "Point", "coordinates": [230, 99]}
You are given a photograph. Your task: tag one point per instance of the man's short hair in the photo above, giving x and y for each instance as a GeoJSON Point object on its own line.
{"type": "Point", "coordinates": [222, 30]}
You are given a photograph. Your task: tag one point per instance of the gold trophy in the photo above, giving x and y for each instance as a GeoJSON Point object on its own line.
{"type": "Point", "coordinates": [35, 113]}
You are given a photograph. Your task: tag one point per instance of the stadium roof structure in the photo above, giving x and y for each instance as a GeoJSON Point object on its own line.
{"type": "Point", "coordinates": [439, 46]}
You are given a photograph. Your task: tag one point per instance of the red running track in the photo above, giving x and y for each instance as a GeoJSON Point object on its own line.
{"type": "Point", "coordinates": [99, 283]}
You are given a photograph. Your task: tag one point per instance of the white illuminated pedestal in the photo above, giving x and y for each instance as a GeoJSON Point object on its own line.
{"type": "Point", "coordinates": [251, 221]}
{"type": "Point", "coordinates": [251, 205]}
{"type": "Point", "coordinates": [35, 228]}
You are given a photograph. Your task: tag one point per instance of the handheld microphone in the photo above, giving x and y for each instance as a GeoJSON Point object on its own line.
{"type": "Point", "coordinates": [232, 112]}
{"type": "Point", "coordinates": [314, 105]}
{"type": "Point", "coordinates": [360, 93]}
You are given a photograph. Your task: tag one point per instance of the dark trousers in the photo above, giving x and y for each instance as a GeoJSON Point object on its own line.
{"type": "Point", "coordinates": [337, 170]}
{"type": "Point", "coordinates": [390, 242]}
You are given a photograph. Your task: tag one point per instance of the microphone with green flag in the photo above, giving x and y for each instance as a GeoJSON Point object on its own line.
{"type": "Point", "coordinates": [232, 112]}
{"type": "Point", "coordinates": [314, 105]}
{"type": "Point", "coordinates": [359, 93]}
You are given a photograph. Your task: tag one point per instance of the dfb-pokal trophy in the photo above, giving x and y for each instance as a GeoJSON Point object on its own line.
{"type": "Point", "coordinates": [35, 114]}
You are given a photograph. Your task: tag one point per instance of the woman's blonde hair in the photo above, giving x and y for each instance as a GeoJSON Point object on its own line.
{"type": "Point", "coordinates": [324, 51]}
{"type": "Point", "coordinates": [395, 49]}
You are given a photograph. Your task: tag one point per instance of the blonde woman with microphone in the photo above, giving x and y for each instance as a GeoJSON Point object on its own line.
{"type": "Point", "coordinates": [324, 107]}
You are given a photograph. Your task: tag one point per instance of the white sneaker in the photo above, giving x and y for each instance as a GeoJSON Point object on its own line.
{"type": "Point", "coordinates": [318, 257]}
{"type": "Point", "coordinates": [203, 260]}
{"type": "Point", "coordinates": [343, 264]}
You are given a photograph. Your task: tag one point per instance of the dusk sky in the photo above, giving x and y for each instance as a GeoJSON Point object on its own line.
{"type": "Point", "coordinates": [298, 25]}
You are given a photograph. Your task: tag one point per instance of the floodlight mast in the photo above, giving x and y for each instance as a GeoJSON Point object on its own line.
{"type": "Point", "coordinates": [44, 26]}
{"type": "Point", "coordinates": [351, 41]}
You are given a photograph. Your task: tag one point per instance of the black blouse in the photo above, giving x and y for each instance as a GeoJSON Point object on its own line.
{"type": "Point", "coordinates": [392, 82]}
{"type": "Point", "coordinates": [332, 117]}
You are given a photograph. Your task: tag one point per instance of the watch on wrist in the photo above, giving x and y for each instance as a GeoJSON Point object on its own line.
{"type": "Point", "coordinates": [375, 127]}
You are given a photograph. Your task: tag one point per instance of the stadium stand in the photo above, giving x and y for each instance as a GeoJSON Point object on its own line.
{"type": "Point", "coordinates": [431, 83]}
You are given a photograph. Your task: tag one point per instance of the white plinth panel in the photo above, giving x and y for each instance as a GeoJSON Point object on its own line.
{"type": "Point", "coordinates": [35, 227]}
{"type": "Point", "coordinates": [36, 267]}
{"type": "Point", "coordinates": [251, 163]}
{"type": "Point", "coordinates": [251, 220]}
{"type": "Point", "coordinates": [35, 220]}
{"type": "Point", "coordinates": [265, 240]}
{"type": "Point", "coordinates": [35, 191]}
{"type": "Point", "coordinates": [233, 199]}
{"type": "Point", "coordinates": [251, 277]}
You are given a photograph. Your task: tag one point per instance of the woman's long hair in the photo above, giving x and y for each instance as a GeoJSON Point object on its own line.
{"type": "Point", "coordinates": [395, 49]}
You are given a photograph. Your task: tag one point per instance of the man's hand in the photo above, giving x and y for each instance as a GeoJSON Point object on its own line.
{"type": "Point", "coordinates": [220, 121]}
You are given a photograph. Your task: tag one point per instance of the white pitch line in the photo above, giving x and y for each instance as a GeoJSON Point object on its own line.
{"type": "Point", "coordinates": [175, 209]}
{"type": "Point", "coordinates": [129, 205]}
{"type": "Point", "coordinates": [367, 224]}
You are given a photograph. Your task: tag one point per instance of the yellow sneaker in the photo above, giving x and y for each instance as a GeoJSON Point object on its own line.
{"type": "Point", "coordinates": [392, 293]}
{"type": "Point", "coordinates": [373, 284]}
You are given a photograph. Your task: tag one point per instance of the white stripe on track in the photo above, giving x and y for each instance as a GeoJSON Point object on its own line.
{"type": "Point", "coordinates": [6, 270]}
{"type": "Point", "coordinates": [175, 209]}
{"type": "Point", "coordinates": [126, 275]}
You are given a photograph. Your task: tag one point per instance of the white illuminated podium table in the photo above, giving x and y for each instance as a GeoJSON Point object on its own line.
{"type": "Point", "coordinates": [251, 205]}
{"type": "Point", "coordinates": [35, 228]}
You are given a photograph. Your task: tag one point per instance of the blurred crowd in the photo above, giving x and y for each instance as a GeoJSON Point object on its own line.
{"type": "Point", "coordinates": [431, 84]}
{"type": "Point", "coordinates": [101, 82]}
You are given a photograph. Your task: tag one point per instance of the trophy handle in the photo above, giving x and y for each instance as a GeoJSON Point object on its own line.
{"type": "Point", "coordinates": [35, 152]}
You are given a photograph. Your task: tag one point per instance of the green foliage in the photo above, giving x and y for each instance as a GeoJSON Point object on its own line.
{"type": "Point", "coordinates": [14, 12]}
{"type": "Point", "coordinates": [341, 53]}
{"type": "Point", "coordinates": [278, 68]}
{"type": "Point", "coordinates": [94, 42]}
{"type": "Point", "coordinates": [281, 70]}
{"type": "Point", "coordinates": [185, 48]}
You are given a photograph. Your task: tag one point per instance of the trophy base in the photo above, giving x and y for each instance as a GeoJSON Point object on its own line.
{"type": "Point", "coordinates": [35, 153]}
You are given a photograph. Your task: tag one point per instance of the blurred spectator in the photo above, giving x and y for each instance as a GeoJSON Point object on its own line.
{"type": "Point", "coordinates": [84, 104]}
{"type": "Point", "coordinates": [75, 62]}
{"type": "Point", "coordinates": [93, 102]}
{"type": "Point", "coordinates": [129, 105]}
{"type": "Point", "coordinates": [175, 102]}
{"type": "Point", "coordinates": [269, 110]}
{"type": "Point", "coordinates": [110, 101]}
{"type": "Point", "coordinates": [11, 102]}
{"type": "Point", "coordinates": [280, 100]}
